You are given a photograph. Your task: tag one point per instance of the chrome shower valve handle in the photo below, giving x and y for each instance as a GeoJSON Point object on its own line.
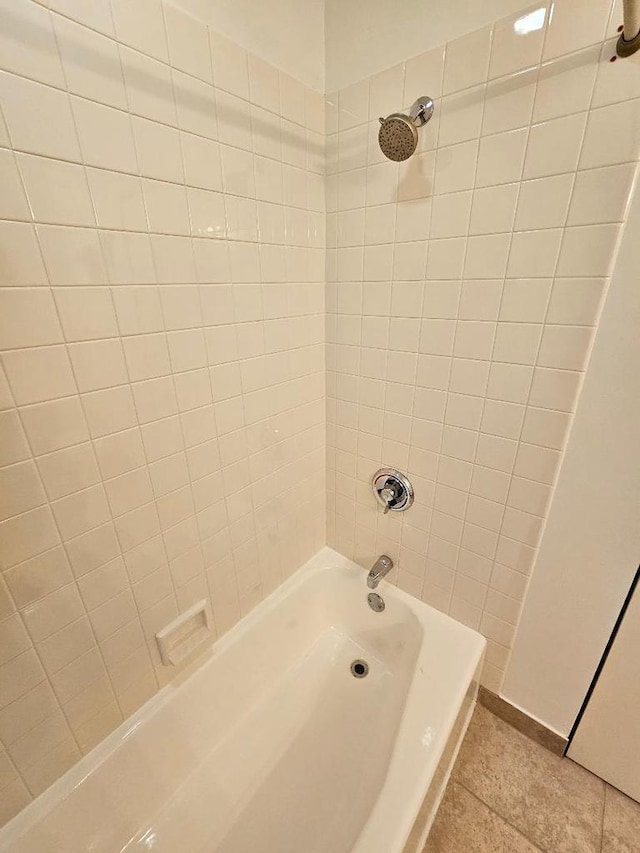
{"type": "Point", "coordinates": [392, 490]}
{"type": "Point", "coordinates": [387, 494]}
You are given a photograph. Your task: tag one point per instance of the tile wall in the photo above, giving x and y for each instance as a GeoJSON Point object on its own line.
{"type": "Point", "coordinates": [162, 371]}
{"type": "Point", "coordinates": [162, 327]}
{"type": "Point", "coordinates": [464, 287]}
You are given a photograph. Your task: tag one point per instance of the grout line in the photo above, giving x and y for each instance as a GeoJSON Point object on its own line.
{"type": "Point", "coordinates": [500, 817]}
{"type": "Point", "coordinates": [604, 812]}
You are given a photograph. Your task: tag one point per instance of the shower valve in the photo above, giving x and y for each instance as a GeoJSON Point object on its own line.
{"type": "Point", "coordinates": [392, 490]}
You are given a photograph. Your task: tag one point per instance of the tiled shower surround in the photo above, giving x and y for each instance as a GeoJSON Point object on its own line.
{"type": "Point", "coordinates": [162, 314]}
{"type": "Point", "coordinates": [463, 290]}
{"type": "Point", "coordinates": [162, 324]}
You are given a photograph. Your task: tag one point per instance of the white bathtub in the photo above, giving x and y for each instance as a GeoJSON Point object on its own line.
{"type": "Point", "coordinates": [271, 745]}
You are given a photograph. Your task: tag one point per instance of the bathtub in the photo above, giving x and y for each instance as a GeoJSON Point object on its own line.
{"type": "Point", "coordinates": [270, 744]}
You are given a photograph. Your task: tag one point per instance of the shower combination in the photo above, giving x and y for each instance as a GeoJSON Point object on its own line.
{"type": "Point", "coordinates": [398, 134]}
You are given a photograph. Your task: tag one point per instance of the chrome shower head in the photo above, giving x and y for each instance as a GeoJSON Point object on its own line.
{"type": "Point", "coordinates": [398, 134]}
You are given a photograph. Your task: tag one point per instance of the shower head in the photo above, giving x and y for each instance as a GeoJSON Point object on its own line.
{"type": "Point", "coordinates": [398, 134]}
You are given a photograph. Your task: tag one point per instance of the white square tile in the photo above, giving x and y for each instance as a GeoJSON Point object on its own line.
{"type": "Point", "coordinates": [68, 470]}
{"type": "Point", "coordinates": [565, 347]}
{"type": "Point", "coordinates": [576, 301]}
{"type": "Point", "coordinates": [292, 99]}
{"type": "Point", "coordinates": [353, 106]}
{"type": "Point", "coordinates": [502, 419]}
{"type": "Point", "coordinates": [436, 337]}
{"type": "Point", "coordinates": [105, 134]}
{"type": "Point", "coordinates": [480, 300]}
{"type": "Point", "coordinates": [109, 410]}
{"type": "Point", "coordinates": [27, 535]}
{"type": "Point", "coordinates": [555, 389]}
{"type": "Point", "coordinates": [166, 206]}
{"type": "Point", "coordinates": [517, 343]}
{"type": "Point", "coordinates": [525, 300]}
{"type": "Point", "coordinates": [412, 221]}
{"type": "Point", "coordinates": [21, 492]}
{"type": "Point", "coordinates": [128, 257]}
{"type": "Point", "coordinates": [445, 258]}
{"type": "Point", "coordinates": [496, 453]}
{"type": "Point", "coordinates": [86, 312]}
{"type": "Point", "coordinates": [155, 398]}
{"type": "Point", "coordinates": [469, 376]}
{"type": "Point", "coordinates": [46, 127]}
{"type": "Point", "coordinates": [509, 102]}
{"type": "Point", "coordinates": [554, 146]}
{"type": "Point", "coordinates": [474, 339]}
{"type": "Point", "coordinates": [450, 214]}
{"type": "Point", "coordinates": [264, 84]}
{"type": "Point", "coordinates": [202, 164]}
{"type": "Point", "coordinates": [467, 60]}
{"type": "Point", "coordinates": [149, 86]}
{"type": "Point", "coordinates": [158, 149]}
{"type": "Point", "coordinates": [614, 83]}
{"type": "Point", "coordinates": [501, 158]}
{"type": "Point", "coordinates": [28, 318]}
{"type": "Point", "coordinates": [39, 374]}
{"type": "Point", "coordinates": [601, 195]}
{"type": "Point", "coordinates": [416, 176]}
{"type": "Point", "coordinates": [424, 72]}
{"type": "Point", "coordinates": [509, 382]}
{"type": "Point", "coordinates": [455, 167]}
{"type": "Point", "coordinates": [28, 45]}
{"type": "Point", "coordinates": [517, 40]}
{"type": "Point", "coordinates": [72, 255]}
{"type": "Point", "coordinates": [117, 200]}
{"type": "Point", "coordinates": [91, 63]}
{"type": "Point", "coordinates": [441, 300]}
{"type": "Point", "coordinates": [58, 192]}
{"type": "Point", "coordinates": [568, 80]}
{"type": "Point", "coordinates": [173, 258]}
{"type": "Point", "coordinates": [487, 256]}
{"type": "Point", "coordinates": [81, 511]}
{"type": "Point", "coordinates": [230, 65]}
{"type": "Point", "coordinates": [543, 203]}
{"type": "Point", "coordinates": [28, 582]}
{"type": "Point", "coordinates": [55, 424]}
{"type": "Point", "coordinates": [147, 356]}
{"type": "Point", "coordinates": [493, 209]}
{"type": "Point", "coordinates": [566, 34]}
{"type": "Point", "coordinates": [461, 116]}
{"type": "Point", "coordinates": [537, 463]}
{"type": "Point", "coordinates": [385, 89]}
{"type": "Point", "coordinates": [534, 253]}
{"type": "Point", "coordinates": [588, 250]}
{"type": "Point", "coordinates": [188, 43]}
{"type": "Point", "coordinates": [141, 25]}
{"type": "Point", "coordinates": [97, 15]}
{"type": "Point", "coordinates": [603, 148]}
{"type": "Point", "coordinates": [546, 427]}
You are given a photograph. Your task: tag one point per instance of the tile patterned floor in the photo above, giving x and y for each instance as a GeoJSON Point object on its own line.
{"type": "Point", "coordinates": [507, 794]}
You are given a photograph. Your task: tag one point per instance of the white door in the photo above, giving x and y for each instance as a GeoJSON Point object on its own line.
{"type": "Point", "coordinates": [607, 740]}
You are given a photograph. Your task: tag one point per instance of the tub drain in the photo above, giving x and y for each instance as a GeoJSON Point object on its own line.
{"type": "Point", "coordinates": [359, 668]}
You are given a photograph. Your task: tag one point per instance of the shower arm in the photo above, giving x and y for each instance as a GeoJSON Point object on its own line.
{"type": "Point", "coordinates": [629, 41]}
{"type": "Point", "coordinates": [421, 111]}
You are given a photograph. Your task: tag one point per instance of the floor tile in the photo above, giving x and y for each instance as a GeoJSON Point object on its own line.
{"type": "Point", "coordinates": [621, 823]}
{"type": "Point", "coordinates": [555, 803]}
{"type": "Point", "coordinates": [465, 825]}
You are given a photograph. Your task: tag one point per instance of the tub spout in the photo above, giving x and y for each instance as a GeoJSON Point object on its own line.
{"type": "Point", "coordinates": [380, 568]}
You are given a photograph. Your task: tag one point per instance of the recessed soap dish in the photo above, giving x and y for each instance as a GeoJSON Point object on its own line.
{"type": "Point", "coordinates": [178, 640]}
